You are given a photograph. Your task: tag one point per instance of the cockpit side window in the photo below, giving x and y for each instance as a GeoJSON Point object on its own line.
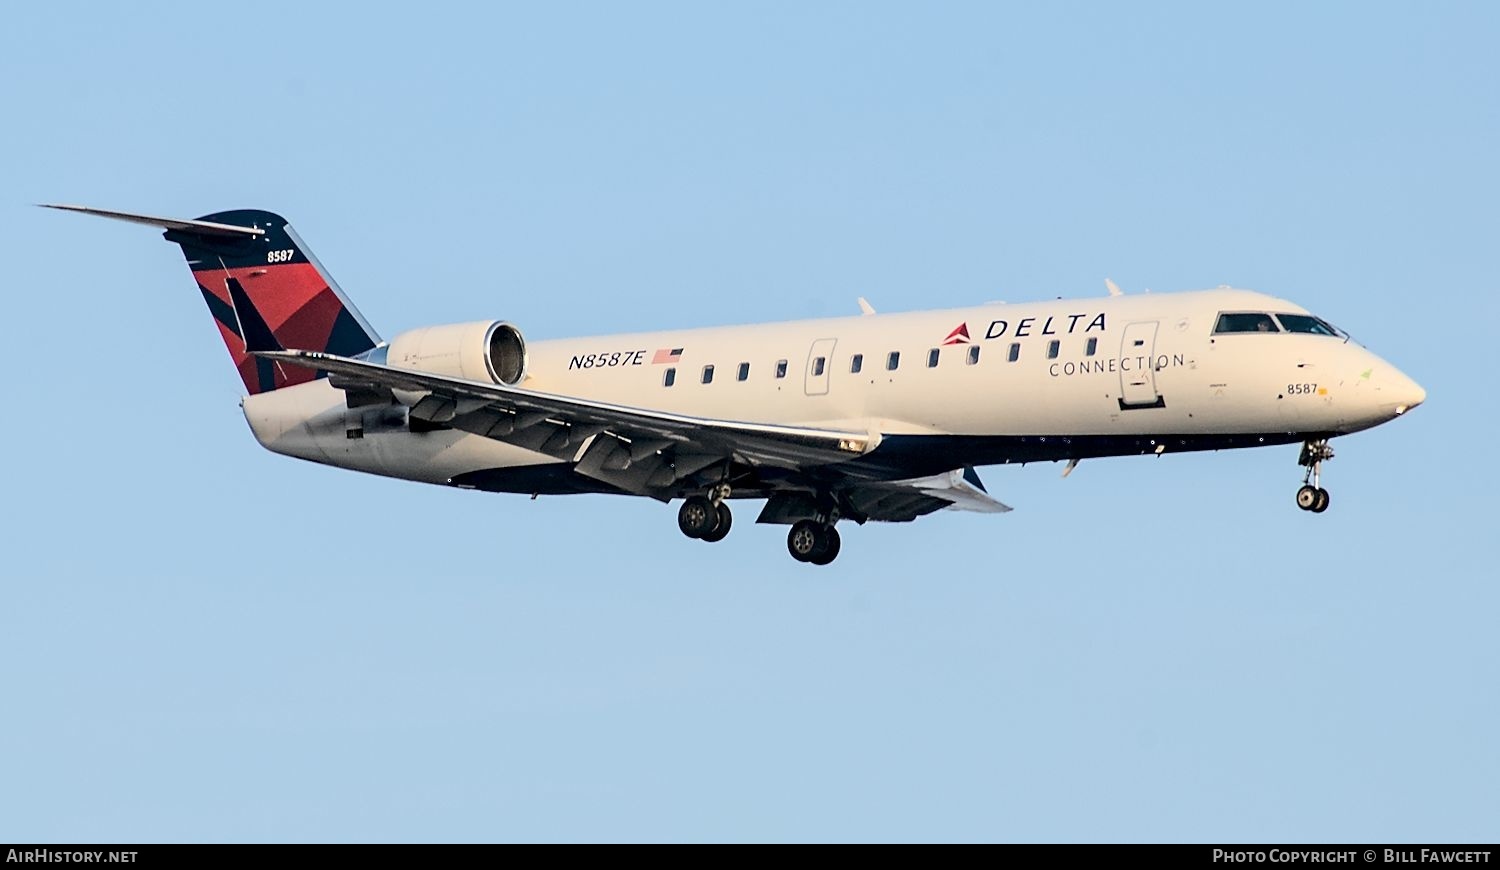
{"type": "Point", "coordinates": [1245, 322]}
{"type": "Point", "coordinates": [1306, 323]}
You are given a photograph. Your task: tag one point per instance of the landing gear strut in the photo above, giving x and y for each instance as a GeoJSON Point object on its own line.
{"type": "Point", "coordinates": [1312, 496]}
{"type": "Point", "coordinates": [706, 517]}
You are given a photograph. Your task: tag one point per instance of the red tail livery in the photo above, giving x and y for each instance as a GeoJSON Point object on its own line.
{"type": "Point", "coordinates": [293, 294]}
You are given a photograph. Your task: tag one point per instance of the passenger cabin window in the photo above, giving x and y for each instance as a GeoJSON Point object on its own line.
{"type": "Point", "coordinates": [1052, 348]}
{"type": "Point", "coordinates": [669, 377]}
{"type": "Point", "coordinates": [1015, 351]}
{"type": "Point", "coordinates": [781, 368]}
{"type": "Point", "coordinates": [893, 360]}
{"type": "Point", "coordinates": [932, 358]}
{"type": "Point", "coordinates": [1308, 324]}
{"type": "Point", "coordinates": [973, 356]}
{"type": "Point", "coordinates": [1245, 322]}
{"type": "Point", "coordinates": [1092, 347]}
{"type": "Point", "coordinates": [744, 373]}
{"type": "Point", "coordinates": [856, 363]}
{"type": "Point", "coordinates": [708, 374]}
{"type": "Point", "coordinates": [817, 366]}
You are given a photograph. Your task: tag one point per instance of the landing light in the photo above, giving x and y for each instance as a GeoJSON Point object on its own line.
{"type": "Point", "coordinates": [1401, 409]}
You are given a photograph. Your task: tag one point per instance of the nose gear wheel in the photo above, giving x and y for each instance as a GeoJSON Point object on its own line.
{"type": "Point", "coordinates": [1312, 496]}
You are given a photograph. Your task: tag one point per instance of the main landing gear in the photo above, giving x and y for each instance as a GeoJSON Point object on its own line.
{"type": "Point", "coordinates": [1312, 496]}
{"type": "Point", "coordinates": [812, 541]}
{"type": "Point", "coordinates": [706, 517]}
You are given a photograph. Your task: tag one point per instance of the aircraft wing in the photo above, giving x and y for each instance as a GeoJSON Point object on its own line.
{"type": "Point", "coordinates": [637, 449]}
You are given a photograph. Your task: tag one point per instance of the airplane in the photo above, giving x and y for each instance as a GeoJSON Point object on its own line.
{"type": "Point", "coordinates": [871, 417]}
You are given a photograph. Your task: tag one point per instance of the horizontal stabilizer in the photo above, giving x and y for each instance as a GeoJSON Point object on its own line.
{"type": "Point", "coordinates": [202, 228]}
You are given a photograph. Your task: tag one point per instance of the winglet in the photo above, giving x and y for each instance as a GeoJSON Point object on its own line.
{"type": "Point", "coordinates": [961, 488]}
{"type": "Point", "coordinates": [253, 329]}
{"type": "Point", "coordinates": [1114, 289]}
{"type": "Point", "coordinates": [865, 307]}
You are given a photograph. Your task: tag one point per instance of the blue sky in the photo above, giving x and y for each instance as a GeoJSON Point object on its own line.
{"type": "Point", "coordinates": [203, 641]}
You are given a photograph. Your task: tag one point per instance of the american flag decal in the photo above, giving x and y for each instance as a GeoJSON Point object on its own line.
{"type": "Point", "coordinates": [667, 355]}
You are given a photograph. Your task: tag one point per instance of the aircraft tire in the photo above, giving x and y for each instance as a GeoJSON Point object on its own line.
{"type": "Point", "coordinates": [804, 540]}
{"type": "Point", "coordinates": [830, 549]}
{"type": "Point", "coordinates": [697, 517]}
{"type": "Point", "coordinates": [726, 519]}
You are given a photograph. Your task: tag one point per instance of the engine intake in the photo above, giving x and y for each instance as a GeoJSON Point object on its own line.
{"type": "Point", "coordinates": [487, 350]}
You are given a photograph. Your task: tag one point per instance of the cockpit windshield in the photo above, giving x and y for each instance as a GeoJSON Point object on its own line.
{"type": "Point", "coordinates": [1245, 322]}
{"type": "Point", "coordinates": [1310, 325]}
{"type": "Point", "coordinates": [1230, 322]}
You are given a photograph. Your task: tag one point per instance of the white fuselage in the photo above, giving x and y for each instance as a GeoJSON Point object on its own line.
{"type": "Point", "coordinates": [1122, 369]}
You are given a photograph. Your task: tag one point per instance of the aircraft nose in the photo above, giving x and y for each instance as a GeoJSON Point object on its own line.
{"type": "Point", "coordinates": [1379, 394]}
{"type": "Point", "coordinates": [1407, 393]}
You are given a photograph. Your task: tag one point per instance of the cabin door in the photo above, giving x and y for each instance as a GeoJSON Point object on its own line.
{"type": "Point", "coordinates": [819, 364]}
{"type": "Point", "coordinates": [1138, 366]}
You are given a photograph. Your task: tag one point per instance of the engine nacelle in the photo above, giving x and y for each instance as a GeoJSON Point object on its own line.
{"type": "Point", "coordinates": [489, 350]}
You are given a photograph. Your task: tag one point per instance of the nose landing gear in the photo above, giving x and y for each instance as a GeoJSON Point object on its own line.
{"type": "Point", "coordinates": [1312, 496]}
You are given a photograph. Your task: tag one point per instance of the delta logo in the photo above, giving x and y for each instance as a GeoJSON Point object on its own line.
{"type": "Point", "coordinates": [960, 335]}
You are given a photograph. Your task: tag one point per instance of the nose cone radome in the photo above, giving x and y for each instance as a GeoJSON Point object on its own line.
{"type": "Point", "coordinates": [1390, 394]}
{"type": "Point", "coordinates": [1406, 393]}
{"type": "Point", "coordinates": [1379, 393]}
